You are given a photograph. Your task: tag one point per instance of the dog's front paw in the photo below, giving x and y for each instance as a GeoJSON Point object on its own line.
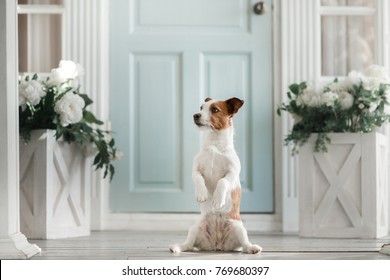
{"type": "Point", "coordinates": [219, 199]}
{"type": "Point", "coordinates": [201, 194]}
{"type": "Point", "coordinates": [254, 249]}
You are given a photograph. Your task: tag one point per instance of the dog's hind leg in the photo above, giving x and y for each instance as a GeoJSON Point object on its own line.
{"type": "Point", "coordinates": [188, 245]}
{"type": "Point", "coordinates": [242, 238]}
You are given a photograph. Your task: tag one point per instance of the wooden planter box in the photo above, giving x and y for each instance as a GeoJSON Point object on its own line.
{"type": "Point", "coordinates": [344, 193]}
{"type": "Point", "coordinates": [54, 188]}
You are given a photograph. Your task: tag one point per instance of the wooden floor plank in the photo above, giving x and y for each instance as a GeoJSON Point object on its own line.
{"type": "Point", "coordinates": [122, 245]}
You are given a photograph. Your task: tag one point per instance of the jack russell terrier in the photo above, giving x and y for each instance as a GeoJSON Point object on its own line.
{"type": "Point", "coordinates": [215, 173]}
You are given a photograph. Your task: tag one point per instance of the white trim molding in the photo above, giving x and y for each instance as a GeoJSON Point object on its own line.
{"type": "Point", "coordinates": [86, 40]}
{"type": "Point", "coordinates": [13, 244]}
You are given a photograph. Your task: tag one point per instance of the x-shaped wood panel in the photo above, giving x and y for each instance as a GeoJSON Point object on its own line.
{"type": "Point", "coordinates": [336, 187]}
{"type": "Point", "coordinates": [64, 194]}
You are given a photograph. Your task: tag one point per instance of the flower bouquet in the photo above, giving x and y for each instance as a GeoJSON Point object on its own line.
{"type": "Point", "coordinates": [357, 103]}
{"type": "Point", "coordinates": [56, 102]}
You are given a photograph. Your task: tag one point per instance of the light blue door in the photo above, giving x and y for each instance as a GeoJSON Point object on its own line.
{"type": "Point", "coordinates": [167, 56]}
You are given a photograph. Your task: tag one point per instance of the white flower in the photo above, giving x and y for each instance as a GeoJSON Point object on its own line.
{"type": "Point", "coordinates": [371, 77]}
{"type": "Point", "coordinates": [341, 85]}
{"type": "Point", "coordinates": [67, 70]}
{"type": "Point", "coordinates": [356, 77]}
{"type": "Point", "coordinates": [346, 100]}
{"type": "Point", "coordinates": [70, 108]}
{"type": "Point", "coordinates": [309, 97]}
{"type": "Point", "coordinates": [328, 98]}
{"type": "Point", "coordinates": [376, 71]}
{"type": "Point", "coordinates": [361, 106]}
{"type": "Point", "coordinates": [31, 92]}
{"type": "Point", "coordinates": [371, 83]}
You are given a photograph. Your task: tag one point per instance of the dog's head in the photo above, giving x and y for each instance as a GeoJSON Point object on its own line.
{"type": "Point", "coordinates": [217, 115]}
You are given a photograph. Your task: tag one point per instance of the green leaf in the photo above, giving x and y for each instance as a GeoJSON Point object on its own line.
{"type": "Point", "coordinates": [112, 172]}
{"type": "Point", "coordinates": [294, 88]}
{"type": "Point", "coordinates": [97, 159]}
{"type": "Point", "coordinates": [112, 143]}
{"type": "Point", "coordinates": [86, 99]}
{"type": "Point", "coordinates": [90, 118]}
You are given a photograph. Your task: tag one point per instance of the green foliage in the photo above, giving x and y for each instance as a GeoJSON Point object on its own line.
{"type": "Point", "coordinates": [341, 106]}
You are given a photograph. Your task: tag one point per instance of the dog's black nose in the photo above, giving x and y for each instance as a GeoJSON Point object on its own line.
{"type": "Point", "coordinates": [197, 116]}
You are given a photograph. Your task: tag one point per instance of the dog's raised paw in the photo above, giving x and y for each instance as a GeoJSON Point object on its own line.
{"type": "Point", "coordinates": [254, 249]}
{"type": "Point", "coordinates": [201, 196]}
{"type": "Point", "coordinates": [219, 201]}
{"type": "Point", "coordinates": [175, 248]}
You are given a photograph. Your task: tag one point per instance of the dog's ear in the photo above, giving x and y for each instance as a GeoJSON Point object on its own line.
{"type": "Point", "coordinates": [208, 99]}
{"type": "Point", "coordinates": [233, 105]}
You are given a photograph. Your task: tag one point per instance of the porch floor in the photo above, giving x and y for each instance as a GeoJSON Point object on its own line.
{"type": "Point", "coordinates": [143, 245]}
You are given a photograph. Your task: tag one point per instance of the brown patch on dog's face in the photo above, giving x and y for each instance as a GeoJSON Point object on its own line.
{"type": "Point", "coordinates": [219, 115]}
{"type": "Point", "coordinates": [221, 112]}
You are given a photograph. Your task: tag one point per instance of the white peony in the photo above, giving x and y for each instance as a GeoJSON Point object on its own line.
{"type": "Point", "coordinates": [309, 97]}
{"type": "Point", "coordinates": [371, 83]}
{"type": "Point", "coordinates": [371, 77]}
{"type": "Point", "coordinates": [67, 70]}
{"type": "Point", "coordinates": [30, 92]}
{"type": "Point", "coordinates": [341, 85]}
{"type": "Point", "coordinates": [376, 71]}
{"type": "Point", "coordinates": [345, 100]}
{"type": "Point", "coordinates": [70, 108]}
{"type": "Point", "coordinates": [328, 98]}
{"type": "Point", "coordinates": [356, 77]}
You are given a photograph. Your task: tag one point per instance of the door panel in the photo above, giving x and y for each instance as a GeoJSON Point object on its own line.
{"type": "Point", "coordinates": [156, 114]}
{"type": "Point", "coordinates": [152, 16]}
{"type": "Point", "coordinates": [178, 53]}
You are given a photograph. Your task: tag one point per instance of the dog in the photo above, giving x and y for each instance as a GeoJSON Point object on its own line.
{"type": "Point", "coordinates": [215, 174]}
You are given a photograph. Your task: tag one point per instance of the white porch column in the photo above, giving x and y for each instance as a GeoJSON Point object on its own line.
{"type": "Point", "coordinates": [299, 45]}
{"type": "Point", "coordinates": [13, 244]}
{"type": "Point", "coordinates": [86, 41]}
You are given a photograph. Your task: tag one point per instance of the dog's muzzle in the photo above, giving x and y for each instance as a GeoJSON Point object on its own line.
{"type": "Point", "coordinates": [197, 118]}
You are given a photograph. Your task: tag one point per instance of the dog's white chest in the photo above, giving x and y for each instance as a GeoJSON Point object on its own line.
{"type": "Point", "coordinates": [214, 164]}
{"type": "Point", "coordinates": [212, 160]}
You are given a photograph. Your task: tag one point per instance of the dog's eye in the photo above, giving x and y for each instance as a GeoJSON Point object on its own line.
{"type": "Point", "coordinates": [201, 108]}
{"type": "Point", "coordinates": [214, 110]}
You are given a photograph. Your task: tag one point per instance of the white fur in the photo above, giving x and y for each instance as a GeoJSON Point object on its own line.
{"type": "Point", "coordinates": [215, 173]}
